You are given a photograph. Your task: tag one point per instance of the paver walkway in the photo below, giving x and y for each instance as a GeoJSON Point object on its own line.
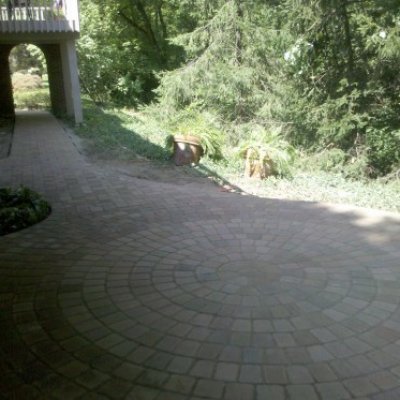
{"type": "Point", "coordinates": [133, 289]}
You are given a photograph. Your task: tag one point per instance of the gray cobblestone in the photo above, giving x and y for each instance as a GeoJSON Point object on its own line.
{"type": "Point", "coordinates": [302, 392]}
{"type": "Point", "coordinates": [227, 372]}
{"type": "Point", "coordinates": [203, 368]}
{"type": "Point", "coordinates": [270, 392]}
{"type": "Point", "coordinates": [322, 372]}
{"type": "Point", "coordinates": [250, 374]}
{"type": "Point", "coordinates": [360, 387]}
{"type": "Point", "coordinates": [239, 391]}
{"type": "Point", "coordinates": [209, 389]}
{"type": "Point", "coordinates": [333, 391]}
{"type": "Point", "coordinates": [299, 375]}
{"type": "Point", "coordinates": [180, 364]}
{"type": "Point", "coordinates": [275, 375]}
{"type": "Point", "coordinates": [180, 383]}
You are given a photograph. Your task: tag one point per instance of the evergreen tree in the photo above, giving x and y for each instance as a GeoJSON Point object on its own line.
{"type": "Point", "coordinates": [323, 73]}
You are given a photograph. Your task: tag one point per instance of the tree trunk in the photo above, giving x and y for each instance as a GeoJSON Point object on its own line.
{"type": "Point", "coordinates": [239, 112]}
{"type": "Point", "coordinates": [344, 16]}
{"type": "Point", "coordinates": [238, 32]}
{"type": "Point", "coordinates": [140, 19]}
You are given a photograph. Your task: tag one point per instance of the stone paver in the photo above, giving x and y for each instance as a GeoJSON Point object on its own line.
{"type": "Point", "coordinates": [136, 289]}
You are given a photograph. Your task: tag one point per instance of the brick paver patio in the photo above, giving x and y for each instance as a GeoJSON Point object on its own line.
{"type": "Point", "coordinates": [134, 289]}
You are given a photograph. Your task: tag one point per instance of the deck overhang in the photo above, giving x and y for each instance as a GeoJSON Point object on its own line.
{"type": "Point", "coordinates": [52, 25]}
{"type": "Point", "coordinates": [37, 37]}
{"type": "Point", "coordinates": [38, 17]}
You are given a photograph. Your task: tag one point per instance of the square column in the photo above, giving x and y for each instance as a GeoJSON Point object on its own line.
{"type": "Point", "coordinates": [6, 94]}
{"type": "Point", "coordinates": [71, 80]}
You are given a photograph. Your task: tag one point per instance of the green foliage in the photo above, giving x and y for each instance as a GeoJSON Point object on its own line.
{"type": "Point", "coordinates": [268, 147]}
{"type": "Point", "coordinates": [202, 125]}
{"type": "Point", "coordinates": [123, 134]}
{"type": "Point", "coordinates": [336, 161]}
{"type": "Point", "coordinates": [32, 99]}
{"type": "Point", "coordinates": [309, 185]}
{"type": "Point", "coordinates": [20, 208]}
{"type": "Point", "coordinates": [333, 188]}
{"type": "Point", "coordinates": [384, 149]}
{"type": "Point", "coordinates": [325, 72]}
{"type": "Point", "coordinates": [29, 89]}
{"type": "Point", "coordinates": [348, 78]}
{"type": "Point", "coordinates": [26, 81]}
{"type": "Point", "coordinates": [357, 168]}
{"type": "Point", "coordinates": [124, 45]}
{"type": "Point", "coordinates": [37, 57]}
{"type": "Point", "coordinates": [229, 72]}
{"type": "Point", "coordinates": [325, 160]}
{"type": "Point", "coordinates": [27, 57]}
{"type": "Point", "coordinates": [99, 54]}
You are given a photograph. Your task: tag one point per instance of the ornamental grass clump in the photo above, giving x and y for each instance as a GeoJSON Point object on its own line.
{"type": "Point", "coordinates": [267, 153]}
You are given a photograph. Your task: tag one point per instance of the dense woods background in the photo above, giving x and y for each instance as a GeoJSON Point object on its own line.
{"type": "Point", "coordinates": [322, 73]}
{"type": "Point", "coordinates": [320, 77]}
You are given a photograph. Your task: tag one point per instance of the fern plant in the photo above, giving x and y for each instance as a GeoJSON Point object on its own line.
{"type": "Point", "coordinates": [202, 125]}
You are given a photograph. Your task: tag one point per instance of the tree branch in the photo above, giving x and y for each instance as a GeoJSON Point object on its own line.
{"type": "Point", "coordinates": [132, 22]}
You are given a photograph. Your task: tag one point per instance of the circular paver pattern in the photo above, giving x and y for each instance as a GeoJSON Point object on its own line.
{"type": "Point", "coordinates": [215, 305]}
{"type": "Point", "coordinates": [139, 290]}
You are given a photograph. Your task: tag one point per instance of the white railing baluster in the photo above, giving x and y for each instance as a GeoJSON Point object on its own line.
{"type": "Point", "coordinates": [48, 15]}
{"type": "Point", "coordinates": [39, 16]}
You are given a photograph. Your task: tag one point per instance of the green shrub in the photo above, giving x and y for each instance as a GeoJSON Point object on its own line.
{"type": "Point", "coordinates": [32, 99]}
{"type": "Point", "coordinates": [121, 133]}
{"type": "Point", "coordinates": [325, 160]}
{"type": "Point", "coordinates": [384, 150]}
{"type": "Point", "coordinates": [357, 168]}
{"type": "Point", "coordinates": [26, 81]}
{"type": "Point", "coordinates": [20, 208]}
{"type": "Point", "coordinates": [336, 161]}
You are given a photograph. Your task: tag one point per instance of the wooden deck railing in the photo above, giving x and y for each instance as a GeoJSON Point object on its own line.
{"type": "Point", "coordinates": [30, 16]}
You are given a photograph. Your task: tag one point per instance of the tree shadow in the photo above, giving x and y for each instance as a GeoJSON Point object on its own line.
{"type": "Point", "coordinates": [6, 131]}
{"type": "Point", "coordinates": [340, 263]}
{"type": "Point", "coordinates": [108, 136]}
{"type": "Point", "coordinates": [219, 179]}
